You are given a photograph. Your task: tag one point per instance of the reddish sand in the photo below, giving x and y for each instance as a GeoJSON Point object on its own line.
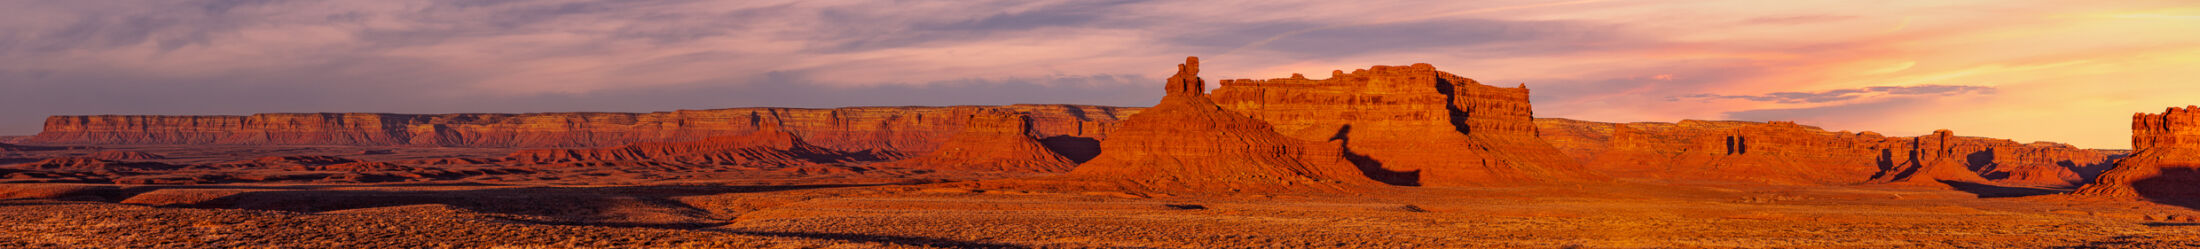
{"type": "Point", "coordinates": [1387, 157]}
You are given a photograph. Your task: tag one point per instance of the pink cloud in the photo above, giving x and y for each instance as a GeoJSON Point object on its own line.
{"type": "Point", "coordinates": [1595, 60]}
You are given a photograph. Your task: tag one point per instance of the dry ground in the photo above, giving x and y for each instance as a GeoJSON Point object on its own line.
{"type": "Point", "coordinates": [867, 216]}
{"type": "Point", "coordinates": [564, 208]}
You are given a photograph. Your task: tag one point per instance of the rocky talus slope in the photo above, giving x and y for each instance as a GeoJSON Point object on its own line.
{"type": "Point", "coordinates": [992, 141]}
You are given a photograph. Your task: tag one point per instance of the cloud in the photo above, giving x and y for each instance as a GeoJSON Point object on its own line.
{"type": "Point", "coordinates": [1849, 94]}
{"type": "Point", "coordinates": [1596, 60]}
{"type": "Point", "coordinates": [1314, 41]}
{"type": "Point", "coordinates": [1797, 19]}
{"type": "Point", "coordinates": [1830, 113]}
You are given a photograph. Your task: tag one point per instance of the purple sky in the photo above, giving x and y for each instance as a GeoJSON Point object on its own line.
{"type": "Point", "coordinates": [2058, 71]}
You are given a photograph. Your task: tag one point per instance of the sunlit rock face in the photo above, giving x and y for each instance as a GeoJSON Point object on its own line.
{"type": "Point", "coordinates": [2165, 164]}
{"type": "Point", "coordinates": [1188, 143]}
{"type": "Point", "coordinates": [1789, 153]}
{"type": "Point", "coordinates": [993, 140]}
{"type": "Point", "coordinates": [893, 130]}
{"type": "Point", "coordinates": [1410, 125]}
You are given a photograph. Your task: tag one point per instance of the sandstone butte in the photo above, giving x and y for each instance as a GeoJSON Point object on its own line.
{"type": "Point", "coordinates": [1187, 143]}
{"type": "Point", "coordinates": [1789, 153]}
{"type": "Point", "coordinates": [1410, 125]}
{"type": "Point", "coordinates": [992, 140]}
{"type": "Point", "coordinates": [895, 130]}
{"type": "Point", "coordinates": [2165, 164]}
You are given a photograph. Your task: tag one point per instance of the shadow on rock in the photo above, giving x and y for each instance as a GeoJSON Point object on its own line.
{"type": "Point", "coordinates": [2175, 186]}
{"type": "Point", "coordinates": [1077, 149]}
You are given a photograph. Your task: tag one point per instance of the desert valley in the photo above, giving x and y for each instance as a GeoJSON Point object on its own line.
{"type": "Point", "coordinates": [1382, 157]}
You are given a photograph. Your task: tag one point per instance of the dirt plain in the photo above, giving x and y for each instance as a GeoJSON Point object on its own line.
{"type": "Point", "coordinates": [1187, 173]}
{"type": "Point", "coordinates": [914, 209]}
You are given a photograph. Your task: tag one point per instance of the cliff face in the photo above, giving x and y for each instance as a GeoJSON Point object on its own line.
{"type": "Point", "coordinates": [1422, 126]}
{"type": "Point", "coordinates": [2165, 164]}
{"type": "Point", "coordinates": [1935, 159]}
{"type": "Point", "coordinates": [1788, 153]}
{"type": "Point", "coordinates": [1187, 143]}
{"type": "Point", "coordinates": [888, 129]}
{"type": "Point", "coordinates": [992, 140]}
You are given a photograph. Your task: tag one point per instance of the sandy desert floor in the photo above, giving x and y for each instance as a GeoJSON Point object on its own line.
{"type": "Point", "coordinates": [882, 208]}
{"type": "Point", "coordinates": [918, 216]}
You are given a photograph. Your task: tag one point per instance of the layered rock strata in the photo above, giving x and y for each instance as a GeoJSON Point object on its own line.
{"type": "Point", "coordinates": [892, 129]}
{"type": "Point", "coordinates": [993, 140]}
{"type": "Point", "coordinates": [2165, 164]}
{"type": "Point", "coordinates": [1418, 125]}
{"type": "Point", "coordinates": [1188, 143]}
{"type": "Point", "coordinates": [1934, 160]}
{"type": "Point", "coordinates": [1789, 153]}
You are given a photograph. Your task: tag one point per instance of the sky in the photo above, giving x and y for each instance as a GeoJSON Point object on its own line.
{"type": "Point", "coordinates": [2063, 71]}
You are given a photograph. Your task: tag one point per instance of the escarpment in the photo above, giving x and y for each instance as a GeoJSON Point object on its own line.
{"type": "Point", "coordinates": [762, 148]}
{"type": "Point", "coordinates": [1188, 143]}
{"type": "Point", "coordinates": [992, 140]}
{"type": "Point", "coordinates": [911, 130]}
{"type": "Point", "coordinates": [2165, 163]}
{"type": "Point", "coordinates": [125, 156]}
{"type": "Point", "coordinates": [1385, 125]}
{"type": "Point", "coordinates": [1789, 153]}
{"type": "Point", "coordinates": [1420, 125]}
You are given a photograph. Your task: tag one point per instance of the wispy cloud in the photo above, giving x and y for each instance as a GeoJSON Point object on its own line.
{"type": "Point", "coordinates": [1847, 94]}
{"type": "Point", "coordinates": [1598, 60]}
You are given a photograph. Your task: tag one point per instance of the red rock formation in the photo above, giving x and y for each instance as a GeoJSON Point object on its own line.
{"type": "Point", "coordinates": [452, 161]}
{"type": "Point", "coordinates": [25, 148]}
{"type": "Point", "coordinates": [117, 155]}
{"type": "Point", "coordinates": [89, 164]}
{"type": "Point", "coordinates": [359, 167]}
{"type": "Point", "coordinates": [1935, 161]}
{"type": "Point", "coordinates": [2165, 164]}
{"type": "Point", "coordinates": [1187, 143]}
{"type": "Point", "coordinates": [906, 130]}
{"type": "Point", "coordinates": [300, 160]}
{"type": "Point", "coordinates": [1428, 126]}
{"type": "Point", "coordinates": [994, 140]}
{"type": "Point", "coordinates": [763, 148]}
{"type": "Point", "coordinates": [1788, 153]}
